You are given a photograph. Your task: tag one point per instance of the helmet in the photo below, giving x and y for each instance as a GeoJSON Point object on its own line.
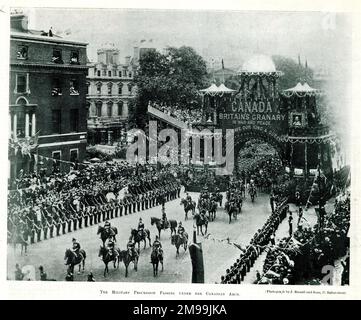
{"type": "Point", "coordinates": [180, 223]}
{"type": "Point", "coordinates": [140, 219]}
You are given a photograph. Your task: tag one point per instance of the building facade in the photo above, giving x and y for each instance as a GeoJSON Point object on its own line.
{"type": "Point", "coordinates": [47, 93]}
{"type": "Point", "coordinates": [110, 90]}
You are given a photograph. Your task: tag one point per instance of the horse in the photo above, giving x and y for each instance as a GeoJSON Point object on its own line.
{"type": "Point", "coordinates": [231, 210]}
{"type": "Point", "coordinates": [72, 260]}
{"type": "Point", "coordinates": [106, 257]}
{"type": "Point", "coordinates": [188, 205]}
{"type": "Point", "coordinates": [158, 222]}
{"type": "Point", "coordinates": [156, 257]}
{"type": "Point", "coordinates": [21, 238]}
{"type": "Point", "coordinates": [212, 209]}
{"type": "Point", "coordinates": [178, 240]}
{"type": "Point", "coordinates": [135, 234]}
{"type": "Point", "coordinates": [104, 235]}
{"type": "Point", "coordinates": [127, 258]}
{"type": "Point", "coordinates": [200, 222]}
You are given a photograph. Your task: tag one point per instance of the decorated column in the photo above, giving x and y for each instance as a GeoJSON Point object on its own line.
{"type": "Point", "coordinates": [26, 124]}
{"type": "Point", "coordinates": [33, 124]}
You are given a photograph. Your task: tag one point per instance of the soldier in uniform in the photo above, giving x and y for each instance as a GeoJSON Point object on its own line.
{"type": "Point", "coordinates": [131, 248]}
{"type": "Point", "coordinates": [181, 229]}
{"type": "Point", "coordinates": [109, 230]}
{"type": "Point", "coordinates": [111, 248]}
{"type": "Point", "coordinates": [157, 246]}
{"type": "Point", "coordinates": [140, 227]}
{"type": "Point", "coordinates": [76, 247]}
{"type": "Point", "coordinates": [164, 218]}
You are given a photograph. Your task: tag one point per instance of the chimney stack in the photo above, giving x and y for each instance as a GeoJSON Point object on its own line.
{"type": "Point", "coordinates": [19, 22]}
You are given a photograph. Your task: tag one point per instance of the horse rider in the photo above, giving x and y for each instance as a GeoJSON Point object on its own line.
{"type": "Point", "coordinates": [188, 198]}
{"type": "Point", "coordinates": [76, 247]}
{"type": "Point", "coordinates": [140, 227]}
{"type": "Point", "coordinates": [157, 246]}
{"type": "Point", "coordinates": [181, 229]}
{"type": "Point", "coordinates": [203, 215]}
{"type": "Point", "coordinates": [131, 248]}
{"type": "Point", "coordinates": [164, 218]}
{"type": "Point", "coordinates": [108, 229]}
{"type": "Point", "coordinates": [111, 248]}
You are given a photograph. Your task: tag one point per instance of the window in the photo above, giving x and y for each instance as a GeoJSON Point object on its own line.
{"type": "Point", "coordinates": [109, 73]}
{"type": "Point", "coordinates": [56, 155]}
{"type": "Point", "coordinates": [87, 88]}
{"type": "Point", "coordinates": [120, 88]}
{"type": "Point", "coordinates": [99, 88]}
{"type": "Point", "coordinates": [74, 120]}
{"type": "Point", "coordinates": [110, 88]}
{"type": "Point", "coordinates": [104, 73]}
{"type": "Point", "coordinates": [120, 109]}
{"type": "Point", "coordinates": [120, 74]}
{"type": "Point", "coordinates": [56, 89]}
{"type": "Point", "coordinates": [124, 72]}
{"type": "Point", "coordinates": [57, 56]}
{"type": "Point", "coordinates": [74, 57]}
{"type": "Point", "coordinates": [21, 83]}
{"type": "Point", "coordinates": [98, 72]}
{"type": "Point", "coordinates": [74, 87]}
{"type": "Point", "coordinates": [22, 52]}
{"type": "Point", "coordinates": [130, 88]}
{"type": "Point", "coordinates": [109, 109]}
{"type": "Point", "coordinates": [98, 107]}
{"type": "Point", "coordinates": [73, 155]}
{"type": "Point", "coordinates": [129, 74]}
{"type": "Point", "coordinates": [56, 121]}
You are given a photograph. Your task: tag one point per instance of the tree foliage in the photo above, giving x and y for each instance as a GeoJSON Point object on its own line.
{"type": "Point", "coordinates": [173, 78]}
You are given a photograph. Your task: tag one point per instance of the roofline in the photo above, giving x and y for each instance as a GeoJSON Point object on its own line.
{"type": "Point", "coordinates": [22, 35]}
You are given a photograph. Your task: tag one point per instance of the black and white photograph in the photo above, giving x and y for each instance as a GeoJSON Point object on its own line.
{"type": "Point", "coordinates": [179, 146]}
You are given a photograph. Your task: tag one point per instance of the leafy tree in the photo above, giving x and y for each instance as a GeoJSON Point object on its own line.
{"type": "Point", "coordinates": [173, 78]}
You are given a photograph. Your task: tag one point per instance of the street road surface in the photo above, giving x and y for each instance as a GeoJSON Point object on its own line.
{"type": "Point", "coordinates": [218, 255]}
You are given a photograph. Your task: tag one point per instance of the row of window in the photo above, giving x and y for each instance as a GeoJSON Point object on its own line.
{"type": "Point", "coordinates": [56, 155]}
{"type": "Point", "coordinates": [98, 109]}
{"type": "Point", "coordinates": [56, 119]}
{"type": "Point", "coordinates": [57, 87]}
{"type": "Point", "coordinates": [110, 85]}
{"type": "Point", "coordinates": [109, 73]}
{"type": "Point", "coordinates": [57, 57]}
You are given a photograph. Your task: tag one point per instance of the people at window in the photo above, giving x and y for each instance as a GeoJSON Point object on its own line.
{"type": "Point", "coordinates": [57, 56]}
{"type": "Point", "coordinates": [74, 59]}
{"type": "Point", "coordinates": [22, 52]}
{"type": "Point", "coordinates": [74, 87]}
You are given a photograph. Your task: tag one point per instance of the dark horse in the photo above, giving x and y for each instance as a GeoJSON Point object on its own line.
{"type": "Point", "coordinates": [158, 222]}
{"type": "Point", "coordinates": [21, 238]}
{"type": "Point", "coordinates": [138, 237]}
{"type": "Point", "coordinates": [231, 210]}
{"type": "Point", "coordinates": [127, 258]}
{"type": "Point", "coordinates": [178, 240]}
{"type": "Point", "coordinates": [104, 235]}
{"type": "Point", "coordinates": [200, 222]}
{"type": "Point", "coordinates": [218, 197]}
{"type": "Point", "coordinates": [156, 257]}
{"type": "Point", "coordinates": [72, 260]}
{"type": "Point", "coordinates": [188, 206]}
{"type": "Point", "coordinates": [107, 257]}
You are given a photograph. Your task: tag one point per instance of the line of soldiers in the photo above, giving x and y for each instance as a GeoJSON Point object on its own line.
{"type": "Point", "coordinates": [50, 220]}
{"type": "Point", "coordinates": [259, 242]}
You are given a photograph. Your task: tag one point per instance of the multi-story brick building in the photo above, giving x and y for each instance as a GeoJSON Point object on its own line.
{"type": "Point", "coordinates": [47, 106]}
{"type": "Point", "coordinates": [110, 89]}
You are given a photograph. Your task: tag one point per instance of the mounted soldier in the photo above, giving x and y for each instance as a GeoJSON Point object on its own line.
{"type": "Point", "coordinates": [75, 247]}
{"type": "Point", "coordinates": [131, 248]}
{"type": "Point", "coordinates": [108, 229]}
{"type": "Point", "coordinates": [157, 246]}
{"type": "Point", "coordinates": [181, 229]}
{"type": "Point", "coordinates": [111, 248]}
{"type": "Point", "coordinates": [141, 227]}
